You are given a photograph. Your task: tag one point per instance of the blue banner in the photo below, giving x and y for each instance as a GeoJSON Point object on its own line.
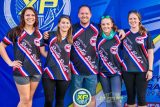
{"type": "Point", "coordinates": [48, 15]}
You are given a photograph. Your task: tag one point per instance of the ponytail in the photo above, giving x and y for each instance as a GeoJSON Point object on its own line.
{"type": "Point", "coordinates": [142, 29]}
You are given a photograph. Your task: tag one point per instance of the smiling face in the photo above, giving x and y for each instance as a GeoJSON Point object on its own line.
{"type": "Point", "coordinates": [133, 20]}
{"type": "Point", "coordinates": [64, 25]}
{"type": "Point", "coordinates": [84, 15]}
{"type": "Point", "coordinates": [29, 17]}
{"type": "Point", "coordinates": [106, 25]}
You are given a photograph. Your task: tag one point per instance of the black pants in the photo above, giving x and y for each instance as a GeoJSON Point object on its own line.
{"type": "Point", "coordinates": [54, 86]}
{"type": "Point", "coordinates": [136, 84]}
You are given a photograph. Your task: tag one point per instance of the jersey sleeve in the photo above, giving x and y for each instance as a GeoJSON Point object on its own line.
{"type": "Point", "coordinates": [39, 41]}
{"type": "Point", "coordinates": [8, 39]}
{"type": "Point", "coordinates": [150, 44]}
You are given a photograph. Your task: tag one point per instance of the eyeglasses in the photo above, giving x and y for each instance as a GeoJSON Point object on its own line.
{"type": "Point", "coordinates": [105, 17]}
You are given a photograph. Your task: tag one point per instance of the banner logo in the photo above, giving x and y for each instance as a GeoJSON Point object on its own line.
{"type": "Point", "coordinates": [81, 97]}
{"type": "Point", "coordinates": [48, 11]}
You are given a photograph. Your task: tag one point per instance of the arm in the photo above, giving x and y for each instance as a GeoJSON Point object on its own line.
{"type": "Point", "coordinates": [43, 51]}
{"type": "Point", "coordinates": [6, 58]}
{"type": "Point", "coordinates": [46, 35]}
{"type": "Point", "coordinates": [150, 60]}
{"type": "Point", "coordinates": [122, 34]}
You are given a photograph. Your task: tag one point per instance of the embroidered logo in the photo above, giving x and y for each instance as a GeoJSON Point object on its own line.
{"type": "Point", "coordinates": [67, 47]}
{"type": "Point", "coordinates": [93, 40]}
{"type": "Point", "coordinates": [139, 40]}
{"type": "Point", "coordinates": [114, 49]}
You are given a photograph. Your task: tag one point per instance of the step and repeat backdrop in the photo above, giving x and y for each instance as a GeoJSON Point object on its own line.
{"type": "Point", "coordinates": [49, 12]}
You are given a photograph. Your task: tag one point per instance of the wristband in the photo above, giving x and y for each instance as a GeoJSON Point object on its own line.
{"type": "Point", "coordinates": [150, 70]}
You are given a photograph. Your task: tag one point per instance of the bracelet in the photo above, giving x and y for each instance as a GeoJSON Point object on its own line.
{"type": "Point", "coordinates": [150, 70]}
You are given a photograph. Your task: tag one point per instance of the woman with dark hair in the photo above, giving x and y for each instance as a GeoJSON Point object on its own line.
{"type": "Point", "coordinates": [138, 57]}
{"type": "Point", "coordinates": [57, 74]}
{"type": "Point", "coordinates": [110, 63]}
{"type": "Point", "coordinates": [26, 41]}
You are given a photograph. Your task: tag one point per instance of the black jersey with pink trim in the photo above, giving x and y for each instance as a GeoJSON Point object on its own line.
{"type": "Point", "coordinates": [135, 53]}
{"type": "Point", "coordinates": [26, 50]}
{"type": "Point", "coordinates": [110, 62]}
{"type": "Point", "coordinates": [57, 65]}
{"type": "Point", "coordinates": [83, 52]}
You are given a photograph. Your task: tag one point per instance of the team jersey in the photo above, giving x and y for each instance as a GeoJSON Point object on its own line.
{"type": "Point", "coordinates": [83, 52]}
{"type": "Point", "coordinates": [135, 53]}
{"type": "Point", "coordinates": [26, 50]}
{"type": "Point", "coordinates": [57, 65]}
{"type": "Point", "coordinates": [110, 62]}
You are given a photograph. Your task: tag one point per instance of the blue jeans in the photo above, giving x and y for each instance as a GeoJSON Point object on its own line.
{"type": "Point", "coordinates": [111, 86]}
{"type": "Point", "coordinates": [87, 82]}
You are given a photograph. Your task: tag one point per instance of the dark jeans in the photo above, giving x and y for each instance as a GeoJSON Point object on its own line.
{"type": "Point", "coordinates": [111, 86]}
{"type": "Point", "coordinates": [136, 85]}
{"type": "Point", "coordinates": [54, 86]}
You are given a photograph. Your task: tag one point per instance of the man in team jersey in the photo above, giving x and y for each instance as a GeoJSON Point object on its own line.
{"type": "Point", "coordinates": [83, 54]}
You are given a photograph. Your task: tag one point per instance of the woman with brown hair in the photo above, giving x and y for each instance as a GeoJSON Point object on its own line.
{"type": "Point", "coordinates": [26, 41]}
{"type": "Point", "coordinates": [110, 63]}
{"type": "Point", "coordinates": [57, 73]}
{"type": "Point", "coordinates": [138, 57]}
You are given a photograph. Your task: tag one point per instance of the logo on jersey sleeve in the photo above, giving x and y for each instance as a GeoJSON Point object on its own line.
{"type": "Point", "coordinates": [139, 40]}
{"type": "Point", "coordinates": [114, 49]}
{"type": "Point", "coordinates": [93, 41]}
{"type": "Point", "coordinates": [67, 47]}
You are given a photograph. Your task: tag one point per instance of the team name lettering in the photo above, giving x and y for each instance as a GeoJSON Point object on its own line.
{"type": "Point", "coordinates": [29, 51]}
{"type": "Point", "coordinates": [139, 58]}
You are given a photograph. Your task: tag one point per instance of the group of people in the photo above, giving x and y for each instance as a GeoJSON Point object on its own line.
{"type": "Point", "coordinates": [81, 53]}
